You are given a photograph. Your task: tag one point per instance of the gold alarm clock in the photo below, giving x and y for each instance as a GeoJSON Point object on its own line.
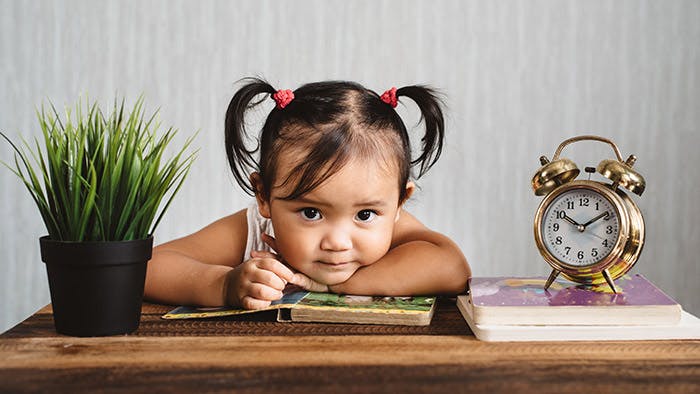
{"type": "Point", "coordinates": [588, 231]}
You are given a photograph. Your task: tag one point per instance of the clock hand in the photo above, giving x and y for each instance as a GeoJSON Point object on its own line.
{"type": "Point", "coordinates": [570, 220]}
{"type": "Point", "coordinates": [602, 215]}
{"type": "Point", "coordinates": [579, 227]}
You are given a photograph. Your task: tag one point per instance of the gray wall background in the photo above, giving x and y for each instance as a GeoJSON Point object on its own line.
{"type": "Point", "coordinates": [519, 77]}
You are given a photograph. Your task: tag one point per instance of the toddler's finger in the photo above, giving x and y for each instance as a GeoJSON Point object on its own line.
{"type": "Point", "coordinates": [248, 302]}
{"type": "Point", "coordinates": [307, 283]}
{"type": "Point", "coordinates": [263, 292]}
{"type": "Point", "coordinates": [268, 278]}
{"type": "Point", "coordinates": [261, 254]}
{"type": "Point", "coordinates": [276, 267]}
{"type": "Point", "coordinates": [270, 241]}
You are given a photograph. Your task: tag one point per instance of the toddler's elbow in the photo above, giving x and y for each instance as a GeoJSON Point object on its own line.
{"type": "Point", "coordinates": [459, 276]}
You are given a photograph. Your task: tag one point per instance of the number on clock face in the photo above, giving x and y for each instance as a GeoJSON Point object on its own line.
{"type": "Point", "coordinates": [580, 227]}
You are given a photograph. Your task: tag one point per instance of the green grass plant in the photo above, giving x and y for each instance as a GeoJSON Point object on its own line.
{"type": "Point", "coordinates": [101, 178]}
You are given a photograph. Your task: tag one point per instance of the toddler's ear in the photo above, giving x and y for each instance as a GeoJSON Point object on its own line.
{"type": "Point", "coordinates": [260, 196]}
{"type": "Point", "coordinates": [410, 187]}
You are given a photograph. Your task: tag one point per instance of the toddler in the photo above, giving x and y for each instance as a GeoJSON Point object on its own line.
{"type": "Point", "coordinates": [330, 171]}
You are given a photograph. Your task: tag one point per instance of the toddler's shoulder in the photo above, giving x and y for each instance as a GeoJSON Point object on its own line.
{"type": "Point", "coordinates": [235, 224]}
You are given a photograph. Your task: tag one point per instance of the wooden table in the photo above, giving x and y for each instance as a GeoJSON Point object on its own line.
{"type": "Point", "coordinates": [258, 354]}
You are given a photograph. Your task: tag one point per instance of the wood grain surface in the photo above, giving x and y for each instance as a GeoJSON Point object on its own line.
{"type": "Point", "coordinates": [255, 355]}
{"type": "Point", "coordinates": [404, 363]}
{"type": "Point", "coordinates": [446, 321]}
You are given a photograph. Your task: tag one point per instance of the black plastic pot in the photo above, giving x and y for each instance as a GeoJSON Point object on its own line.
{"type": "Point", "coordinates": [96, 287]}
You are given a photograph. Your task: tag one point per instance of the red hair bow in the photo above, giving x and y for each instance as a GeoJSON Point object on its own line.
{"type": "Point", "coordinates": [283, 98]}
{"type": "Point", "coordinates": [389, 97]}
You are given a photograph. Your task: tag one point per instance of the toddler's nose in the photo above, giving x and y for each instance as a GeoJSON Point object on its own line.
{"type": "Point", "coordinates": [336, 240]}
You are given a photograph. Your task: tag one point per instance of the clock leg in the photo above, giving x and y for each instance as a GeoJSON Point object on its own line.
{"type": "Point", "coordinates": [553, 275]}
{"type": "Point", "coordinates": [608, 279]}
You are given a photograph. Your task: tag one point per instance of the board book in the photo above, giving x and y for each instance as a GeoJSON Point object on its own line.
{"type": "Point", "coordinates": [305, 306]}
{"type": "Point", "coordinates": [523, 301]}
{"type": "Point", "coordinates": [687, 328]}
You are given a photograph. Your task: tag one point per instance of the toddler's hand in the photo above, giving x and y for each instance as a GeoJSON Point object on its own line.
{"type": "Point", "coordinates": [255, 283]}
{"type": "Point", "coordinates": [299, 279]}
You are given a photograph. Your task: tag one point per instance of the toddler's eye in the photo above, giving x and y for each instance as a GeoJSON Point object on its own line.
{"type": "Point", "coordinates": [366, 215]}
{"type": "Point", "coordinates": [310, 214]}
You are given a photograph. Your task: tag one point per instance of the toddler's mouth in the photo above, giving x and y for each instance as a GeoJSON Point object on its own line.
{"type": "Point", "coordinates": [338, 264]}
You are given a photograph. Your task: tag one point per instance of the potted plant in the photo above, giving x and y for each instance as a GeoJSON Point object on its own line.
{"type": "Point", "coordinates": [99, 183]}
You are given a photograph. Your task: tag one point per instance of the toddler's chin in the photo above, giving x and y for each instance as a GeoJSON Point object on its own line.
{"type": "Point", "coordinates": [333, 279]}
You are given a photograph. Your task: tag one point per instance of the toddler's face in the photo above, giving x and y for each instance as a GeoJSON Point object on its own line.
{"type": "Point", "coordinates": [345, 223]}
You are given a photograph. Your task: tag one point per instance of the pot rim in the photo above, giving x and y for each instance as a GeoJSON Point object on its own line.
{"type": "Point", "coordinates": [95, 253]}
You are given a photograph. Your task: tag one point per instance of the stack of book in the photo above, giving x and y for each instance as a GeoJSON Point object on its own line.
{"type": "Point", "coordinates": [519, 309]}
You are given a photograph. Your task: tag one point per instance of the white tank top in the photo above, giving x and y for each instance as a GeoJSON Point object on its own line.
{"type": "Point", "coordinates": [257, 225]}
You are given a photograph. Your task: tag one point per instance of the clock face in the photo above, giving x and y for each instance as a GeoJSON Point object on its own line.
{"type": "Point", "coordinates": [580, 227]}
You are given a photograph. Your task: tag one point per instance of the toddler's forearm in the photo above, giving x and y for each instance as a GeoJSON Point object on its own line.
{"type": "Point", "coordinates": [413, 268]}
{"type": "Point", "coordinates": [174, 278]}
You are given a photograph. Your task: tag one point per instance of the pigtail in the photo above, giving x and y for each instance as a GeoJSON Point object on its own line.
{"type": "Point", "coordinates": [431, 114]}
{"type": "Point", "coordinates": [240, 157]}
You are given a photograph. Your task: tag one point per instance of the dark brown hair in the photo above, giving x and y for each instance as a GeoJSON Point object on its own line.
{"type": "Point", "coordinates": [326, 124]}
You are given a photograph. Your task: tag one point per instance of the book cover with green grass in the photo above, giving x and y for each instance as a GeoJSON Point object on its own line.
{"type": "Point", "coordinates": [304, 306]}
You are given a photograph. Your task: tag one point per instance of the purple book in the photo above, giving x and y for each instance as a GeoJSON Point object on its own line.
{"type": "Point", "coordinates": [523, 301]}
